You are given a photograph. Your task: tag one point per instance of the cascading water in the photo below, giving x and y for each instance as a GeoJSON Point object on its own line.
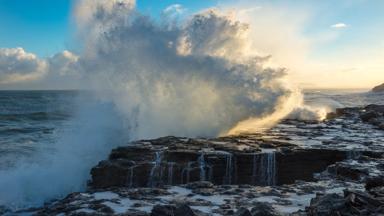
{"type": "Point", "coordinates": [130, 179]}
{"type": "Point", "coordinates": [228, 169]}
{"type": "Point", "coordinates": [270, 169]}
{"type": "Point", "coordinates": [267, 168]}
{"type": "Point", "coordinates": [254, 168]}
{"type": "Point", "coordinates": [170, 173]}
{"type": "Point", "coordinates": [186, 172]}
{"type": "Point", "coordinates": [351, 155]}
{"type": "Point", "coordinates": [202, 165]}
{"type": "Point", "coordinates": [156, 171]}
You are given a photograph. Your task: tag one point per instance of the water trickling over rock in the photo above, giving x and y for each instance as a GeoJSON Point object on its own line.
{"type": "Point", "coordinates": [156, 171]}
{"type": "Point", "coordinates": [202, 167]}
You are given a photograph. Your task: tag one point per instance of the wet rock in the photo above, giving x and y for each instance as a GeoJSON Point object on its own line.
{"type": "Point", "coordinates": [374, 182]}
{"type": "Point", "coordinates": [199, 184]}
{"type": "Point", "coordinates": [264, 209]}
{"type": "Point", "coordinates": [347, 171]}
{"type": "Point", "coordinates": [173, 161]}
{"type": "Point", "coordinates": [353, 203]}
{"type": "Point", "coordinates": [171, 210]}
{"type": "Point", "coordinates": [163, 210]}
{"type": "Point", "coordinates": [184, 210]}
{"type": "Point", "coordinates": [243, 212]}
{"type": "Point", "coordinates": [323, 205]}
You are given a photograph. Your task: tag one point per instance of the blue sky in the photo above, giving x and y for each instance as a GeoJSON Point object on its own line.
{"type": "Point", "coordinates": [337, 36]}
{"type": "Point", "coordinates": [44, 28]}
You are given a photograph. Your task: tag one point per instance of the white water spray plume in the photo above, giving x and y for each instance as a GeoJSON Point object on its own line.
{"type": "Point", "coordinates": [195, 77]}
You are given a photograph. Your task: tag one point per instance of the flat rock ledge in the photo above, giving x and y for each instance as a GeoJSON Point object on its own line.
{"type": "Point", "coordinates": [229, 160]}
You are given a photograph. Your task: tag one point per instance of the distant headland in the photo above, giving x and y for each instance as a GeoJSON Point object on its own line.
{"type": "Point", "coordinates": [379, 88]}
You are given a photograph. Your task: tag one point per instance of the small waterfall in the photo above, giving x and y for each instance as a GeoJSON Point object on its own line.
{"type": "Point", "coordinates": [254, 168]}
{"type": "Point", "coordinates": [189, 170]}
{"type": "Point", "coordinates": [353, 155]}
{"type": "Point", "coordinates": [170, 173]}
{"type": "Point", "coordinates": [130, 181]}
{"type": "Point", "coordinates": [268, 168]}
{"type": "Point", "coordinates": [228, 169]}
{"type": "Point", "coordinates": [186, 172]}
{"type": "Point", "coordinates": [271, 168]}
{"type": "Point", "coordinates": [202, 165]}
{"type": "Point", "coordinates": [210, 173]}
{"type": "Point", "coordinates": [156, 172]}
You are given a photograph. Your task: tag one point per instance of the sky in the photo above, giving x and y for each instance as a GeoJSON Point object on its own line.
{"type": "Point", "coordinates": [323, 44]}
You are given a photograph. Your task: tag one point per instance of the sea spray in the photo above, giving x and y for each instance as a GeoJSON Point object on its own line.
{"type": "Point", "coordinates": [149, 75]}
{"type": "Point", "coordinates": [64, 168]}
{"type": "Point", "coordinates": [155, 72]}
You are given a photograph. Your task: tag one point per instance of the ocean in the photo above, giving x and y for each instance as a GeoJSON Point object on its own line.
{"type": "Point", "coordinates": [39, 127]}
{"type": "Point", "coordinates": [30, 121]}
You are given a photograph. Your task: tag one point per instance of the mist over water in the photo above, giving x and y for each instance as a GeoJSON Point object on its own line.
{"type": "Point", "coordinates": [195, 77]}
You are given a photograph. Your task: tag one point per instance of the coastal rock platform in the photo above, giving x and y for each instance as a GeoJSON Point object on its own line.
{"type": "Point", "coordinates": [332, 167]}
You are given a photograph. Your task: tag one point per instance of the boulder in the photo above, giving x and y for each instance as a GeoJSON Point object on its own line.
{"type": "Point", "coordinates": [163, 210]}
{"type": "Point", "coordinates": [243, 212]}
{"type": "Point", "coordinates": [353, 203]}
{"type": "Point", "coordinates": [172, 210]}
{"type": "Point", "coordinates": [263, 209]}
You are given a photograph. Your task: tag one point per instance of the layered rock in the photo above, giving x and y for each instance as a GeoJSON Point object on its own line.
{"type": "Point", "coordinates": [306, 165]}
{"type": "Point", "coordinates": [174, 161]}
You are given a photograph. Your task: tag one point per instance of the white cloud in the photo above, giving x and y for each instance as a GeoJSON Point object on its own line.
{"type": "Point", "coordinates": [16, 65]}
{"type": "Point", "coordinates": [174, 9]}
{"type": "Point", "coordinates": [63, 63]}
{"type": "Point", "coordinates": [339, 25]}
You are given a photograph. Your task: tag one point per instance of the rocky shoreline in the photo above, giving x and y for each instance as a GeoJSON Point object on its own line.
{"type": "Point", "coordinates": [334, 167]}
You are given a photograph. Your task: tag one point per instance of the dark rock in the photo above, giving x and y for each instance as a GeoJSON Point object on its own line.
{"type": "Point", "coordinates": [374, 182]}
{"type": "Point", "coordinates": [174, 161]}
{"type": "Point", "coordinates": [263, 209]}
{"type": "Point", "coordinates": [163, 210]}
{"type": "Point", "coordinates": [325, 205]}
{"type": "Point", "coordinates": [199, 184]}
{"type": "Point", "coordinates": [171, 210]}
{"type": "Point", "coordinates": [368, 116]}
{"type": "Point", "coordinates": [243, 212]}
{"type": "Point", "coordinates": [347, 171]}
{"type": "Point", "coordinates": [379, 88]}
{"type": "Point", "coordinates": [184, 210]}
{"type": "Point", "coordinates": [353, 203]}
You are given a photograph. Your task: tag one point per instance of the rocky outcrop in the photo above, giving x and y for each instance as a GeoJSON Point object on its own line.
{"type": "Point", "coordinates": [352, 203]}
{"type": "Point", "coordinates": [371, 114]}
{"type": "Point", "coordinates": [175, 161]}
{"type": "Point", "coordinates": [227, 175]}
{"type": "Point", "coordinates": [379, 88]}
